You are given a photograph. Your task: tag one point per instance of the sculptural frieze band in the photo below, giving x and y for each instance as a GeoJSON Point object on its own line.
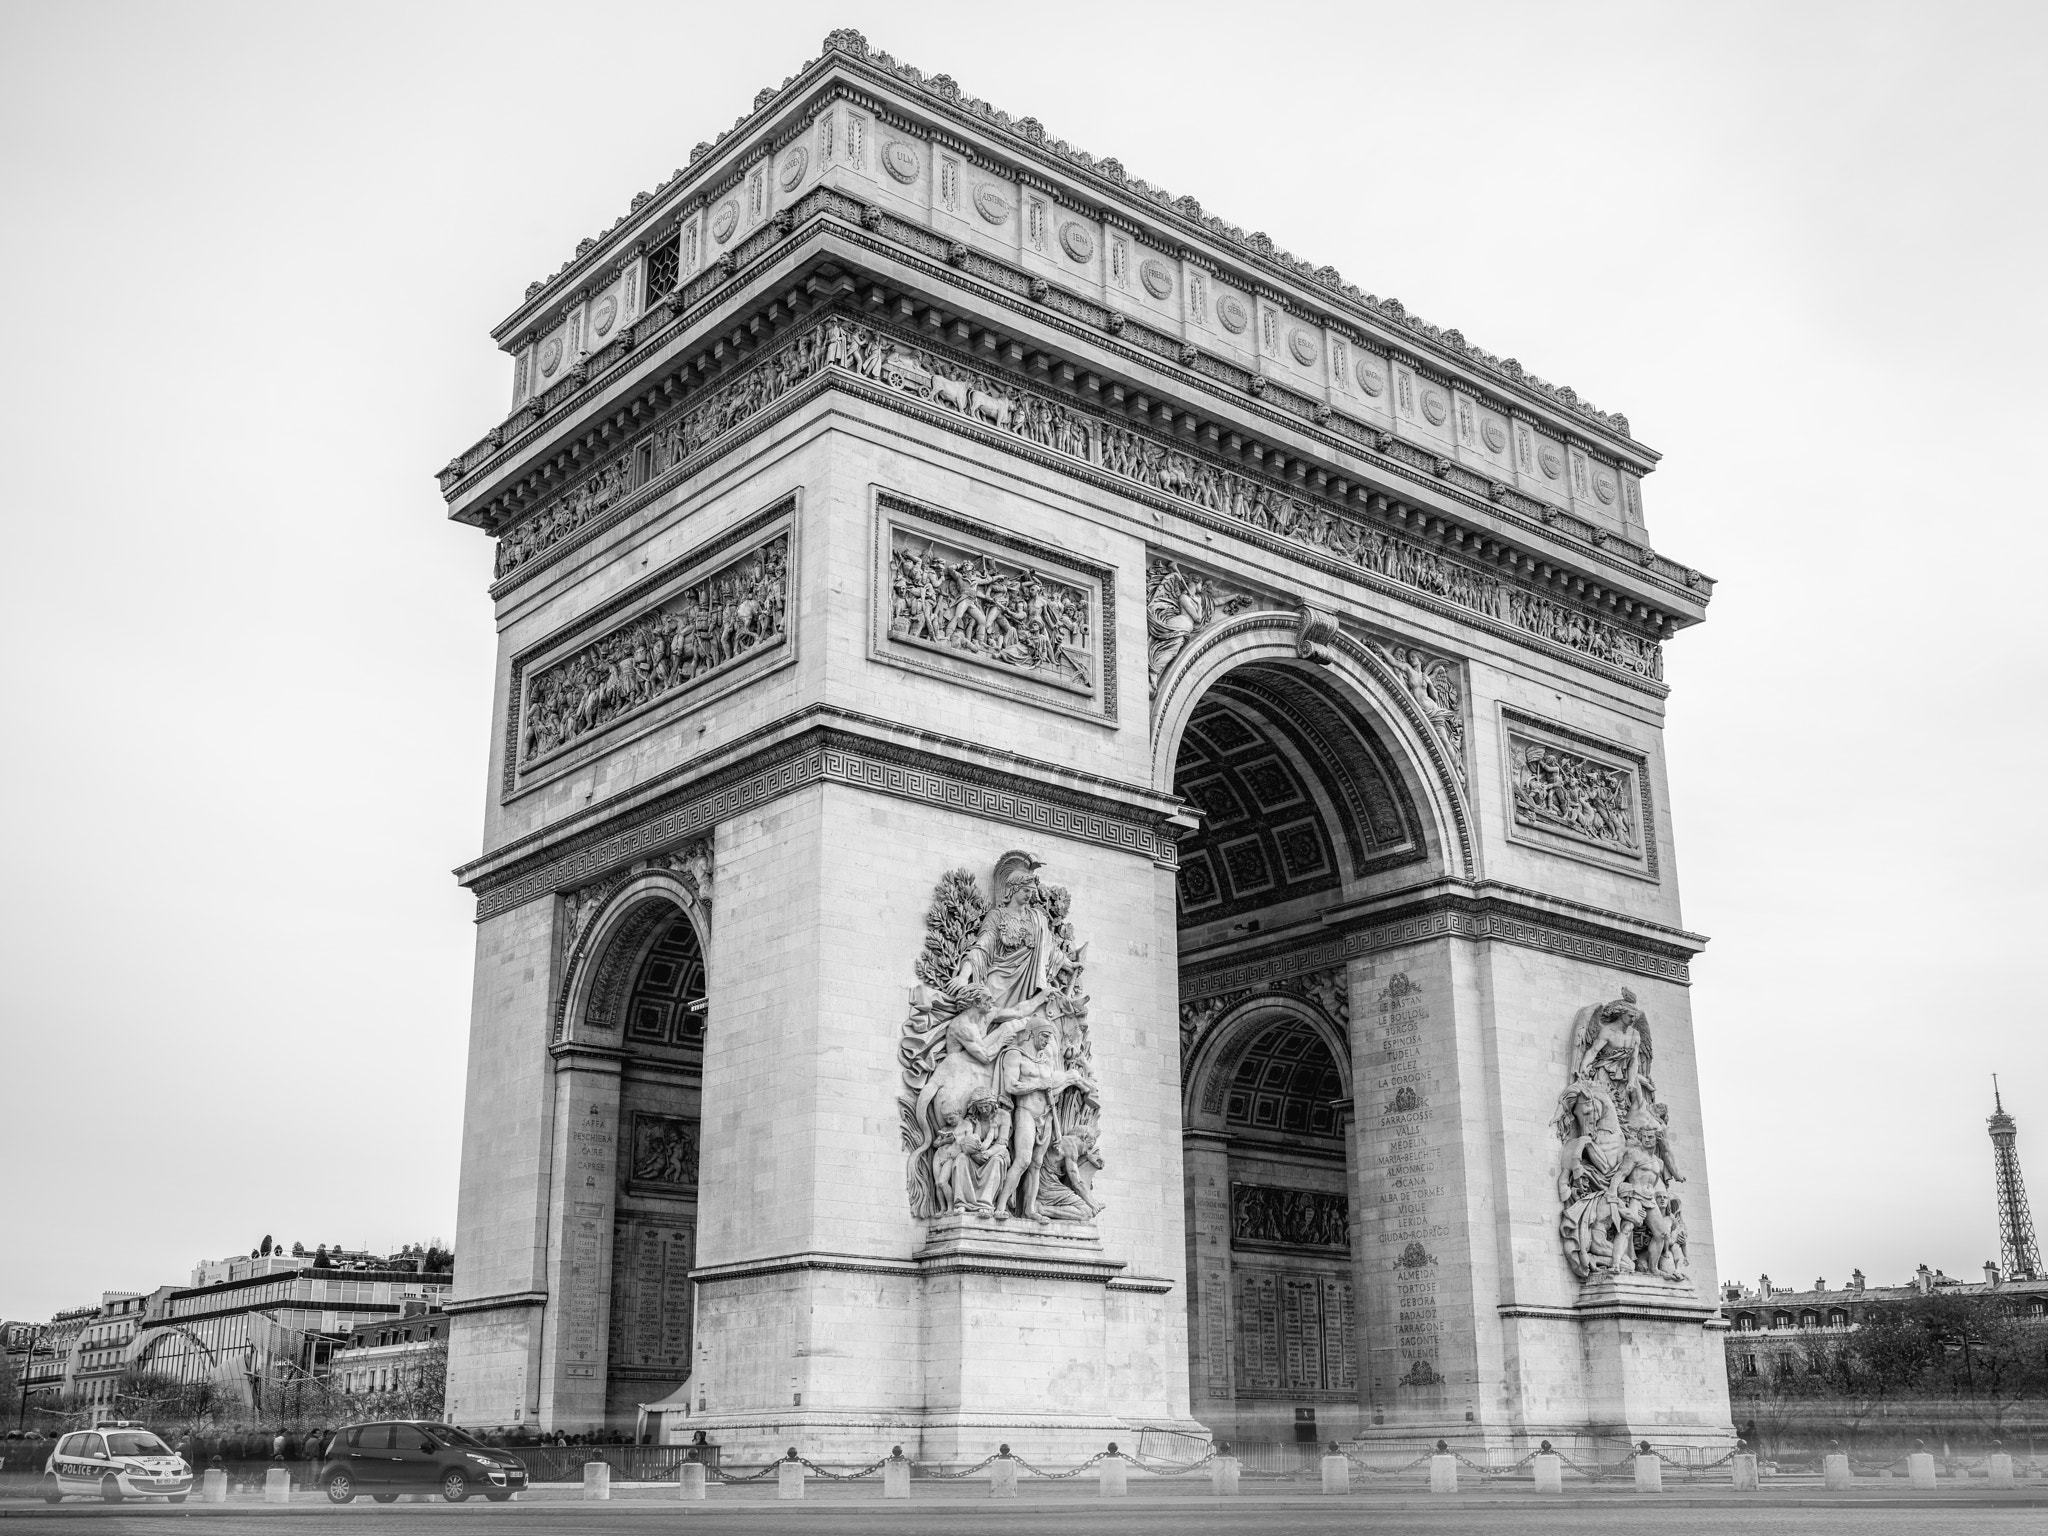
{"type": "Point", "coordinates": [986, 399]}
{"type": "Point", "coordinates": [1621, 1212]}
{"type": "Point", "coordinates": [999, 1103]}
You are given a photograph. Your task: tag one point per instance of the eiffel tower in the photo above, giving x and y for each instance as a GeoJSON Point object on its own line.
{"type": "Point", "coordinates": [2020, 1256]}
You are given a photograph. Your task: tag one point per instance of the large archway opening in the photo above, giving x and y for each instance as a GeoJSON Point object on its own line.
{"type": "Point", "coordinates": [1304, 802]}
{"type": "Point", "coordinates": [651, 989]}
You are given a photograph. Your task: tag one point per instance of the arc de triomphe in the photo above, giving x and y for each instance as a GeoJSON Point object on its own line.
{"type": "Point", "coordinates": [1077, 836]}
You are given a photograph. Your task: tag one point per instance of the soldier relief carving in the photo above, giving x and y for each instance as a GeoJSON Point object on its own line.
{"type": "Point", "coordinates": [1560, 791]}
{"type": "Point", "coordinates": [1000, 1106]}
{"type": "Point", "coordinates": [1617, 1180]}
{"type": "Point", "coordinates": [993, 611]}
{"type": "Point", "coordinates": [710, 625]}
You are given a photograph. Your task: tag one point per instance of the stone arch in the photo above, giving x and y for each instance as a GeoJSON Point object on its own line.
{"type": "Point", "coordinates": [629, 1035]}
{"type": "Point", "coordinates": [1353, 676]}
{"type": "Point", "coordinates": [1219, 1051]}
{"type": "Point", "coordinates": [621, 922]}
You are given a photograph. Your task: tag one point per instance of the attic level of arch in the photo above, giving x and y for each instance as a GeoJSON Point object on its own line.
{"type": "Point", "coordinates": [934, 109]}
{"type": "Point", "coordinates": [545, 484]}
{"type": "Point", "coordinates": [814, 255]}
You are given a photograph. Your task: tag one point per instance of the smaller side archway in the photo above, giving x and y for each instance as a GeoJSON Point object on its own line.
{"type": "Point", "coordinates": [632, 1015]}
{"type": "Point", "coordinates": [1273, 1327]}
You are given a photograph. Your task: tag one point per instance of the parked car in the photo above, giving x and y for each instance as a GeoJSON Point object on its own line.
{"type": "Point", "coordinates": [116, 1462]}
{"type": "Point", "coordinates": [392, 1457]}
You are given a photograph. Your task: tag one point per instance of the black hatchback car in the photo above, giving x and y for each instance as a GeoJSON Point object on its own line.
{"type": "Point", "coordinates": [392, 1457]}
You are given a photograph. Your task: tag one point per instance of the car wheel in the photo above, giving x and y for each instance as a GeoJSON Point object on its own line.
{"type": "Point", "coordinates": [341, 1488]}
{"type": "Point", "coordinates": [110, 1490]}
{"type": "Point", "coordinates": [497, 1495]}
{"type": "Point", "coordinates": [52, 1493]}
{"type": "Point", "coordinates": [385, 1498]}
{"type": "Point", "coordinates": [454, 1487]}
{"type": "Point", "coordinates": [177, 1498]}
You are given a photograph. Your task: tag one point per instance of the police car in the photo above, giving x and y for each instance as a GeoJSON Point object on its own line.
{"type": "Point", "coordinates": [116, 1462]}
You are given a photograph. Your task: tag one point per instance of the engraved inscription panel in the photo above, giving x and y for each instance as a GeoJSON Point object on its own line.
{"type": "Point", "coordinates": [650, 1323]}
{"type": "Point", "coordinates": [1411, 1221]}
{"type": "Point", "coordinates": [1296, 1334]}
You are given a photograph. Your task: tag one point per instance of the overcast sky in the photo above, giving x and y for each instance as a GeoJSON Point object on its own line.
{"type": "Point", "coordinates": [254, 253]}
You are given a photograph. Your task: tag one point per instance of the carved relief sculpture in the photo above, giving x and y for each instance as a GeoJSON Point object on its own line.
{"type": "Point", "coordinates": [999, 1104]}
{"type": "Point", "coordinates": [726, 616]}
{"type": "Point", "coordinates": [993, 611]}
{"type": "Point", "coordinates": [664, 1150]}
{"type": "Point", "coordinates": [1433, 684]}
{"type": "Point", "coordinates": [1296, 1218]}
{"type": "Point", "coordinates": [1179, 605]}
{"type": "Point", "coordinates": [1616, 1183]}
{"type": "Point", "coordinates": [1560, 791]}
{"type": "Point", "coordinates": [987, 400]}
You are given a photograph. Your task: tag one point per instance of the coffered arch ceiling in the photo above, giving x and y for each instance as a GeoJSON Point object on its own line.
{"type": "Point", "coordinates": [1295, 793]}
{"type": "Point", "coordinates": [1287, 1081]}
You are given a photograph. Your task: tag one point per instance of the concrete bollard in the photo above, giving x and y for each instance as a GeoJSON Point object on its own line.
{"type": "Point", "coordinates": [1002, 1476]}
{"type": "Point", "coordinates": [789, 1477]}
{"type": "Point", "coordinates": [1113, 1474]}
{"type": "Point", "coordinates": [1443, 1473]}
{"type": "Point", "coordinates": [1744, 1467]}
{"type": "Point", "coordinates": [1920, 1470]}
{"type": "Point", "coordinates": [690, 1481]}
{"type": "Point", "coordinates": [1549, 1472]}
{"type": "Point", "coordinates": [277, 1486]}
{"type": "Point", "coordinates": [1649, 1473]}
{"type": "Point", "coordinates": [1336, 1473]}
{"type": "Point", "coordinates": [2000, 1469]}
{"type": "Point", "coordinates": [896, 1475]}
{"type": "Point", "coordinates": [597, 1480]}
{"type": "Point", "coordinates": [213, 1486]}
{"type": "Point", "coordinates": [1834, 1472]}
{"type": "Point", "coordinates": [1223, 1473]}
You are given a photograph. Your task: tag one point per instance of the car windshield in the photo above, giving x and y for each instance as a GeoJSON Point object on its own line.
{"type": "Point", "coordinates": [132, 1443]}
{"type": "Point", "coordinates": [450, 1435]}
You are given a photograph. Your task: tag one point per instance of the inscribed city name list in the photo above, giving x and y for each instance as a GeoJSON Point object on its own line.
{"type": "Point", "coordinates": [593, 1149]}
{"type": "Point", "coordinates": [1409, 1160]}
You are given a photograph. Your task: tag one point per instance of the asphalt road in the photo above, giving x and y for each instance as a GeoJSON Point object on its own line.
{"type": "Point", "coordinates": [1707, 1512]}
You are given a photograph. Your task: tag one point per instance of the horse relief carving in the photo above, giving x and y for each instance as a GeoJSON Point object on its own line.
{"type": "Point", "coordinates": [1617, 1180]}
{"type": "Point", "coordinates": [999, 1103]}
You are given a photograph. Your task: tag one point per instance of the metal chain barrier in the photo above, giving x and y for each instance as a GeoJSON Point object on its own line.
{"type": "Point", "coordinates": [1058, 1476]}
{"type": "Point", "coordinates": [937, 1472]}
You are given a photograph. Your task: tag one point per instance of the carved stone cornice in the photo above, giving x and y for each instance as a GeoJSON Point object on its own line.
{"type": "Point", "coordinates": [564, 859]}
{"type": "Point", "coordinates": [503, 1302]}
{"type": "Point", "coordinates": [1473, 910]}
{"type": "Point", "coordinates": [1479, 582]}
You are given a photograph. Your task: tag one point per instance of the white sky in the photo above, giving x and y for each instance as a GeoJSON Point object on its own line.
{"type": "Point", "coordinates": [254, 253]}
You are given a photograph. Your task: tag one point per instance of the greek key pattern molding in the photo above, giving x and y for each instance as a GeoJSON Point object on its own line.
{"type": "Point", "coordinates": [837, 759]}
{"type": "Point", "coordinates": [987, 400]}
{"type": "Point", "coordinates": [1556, 937]}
